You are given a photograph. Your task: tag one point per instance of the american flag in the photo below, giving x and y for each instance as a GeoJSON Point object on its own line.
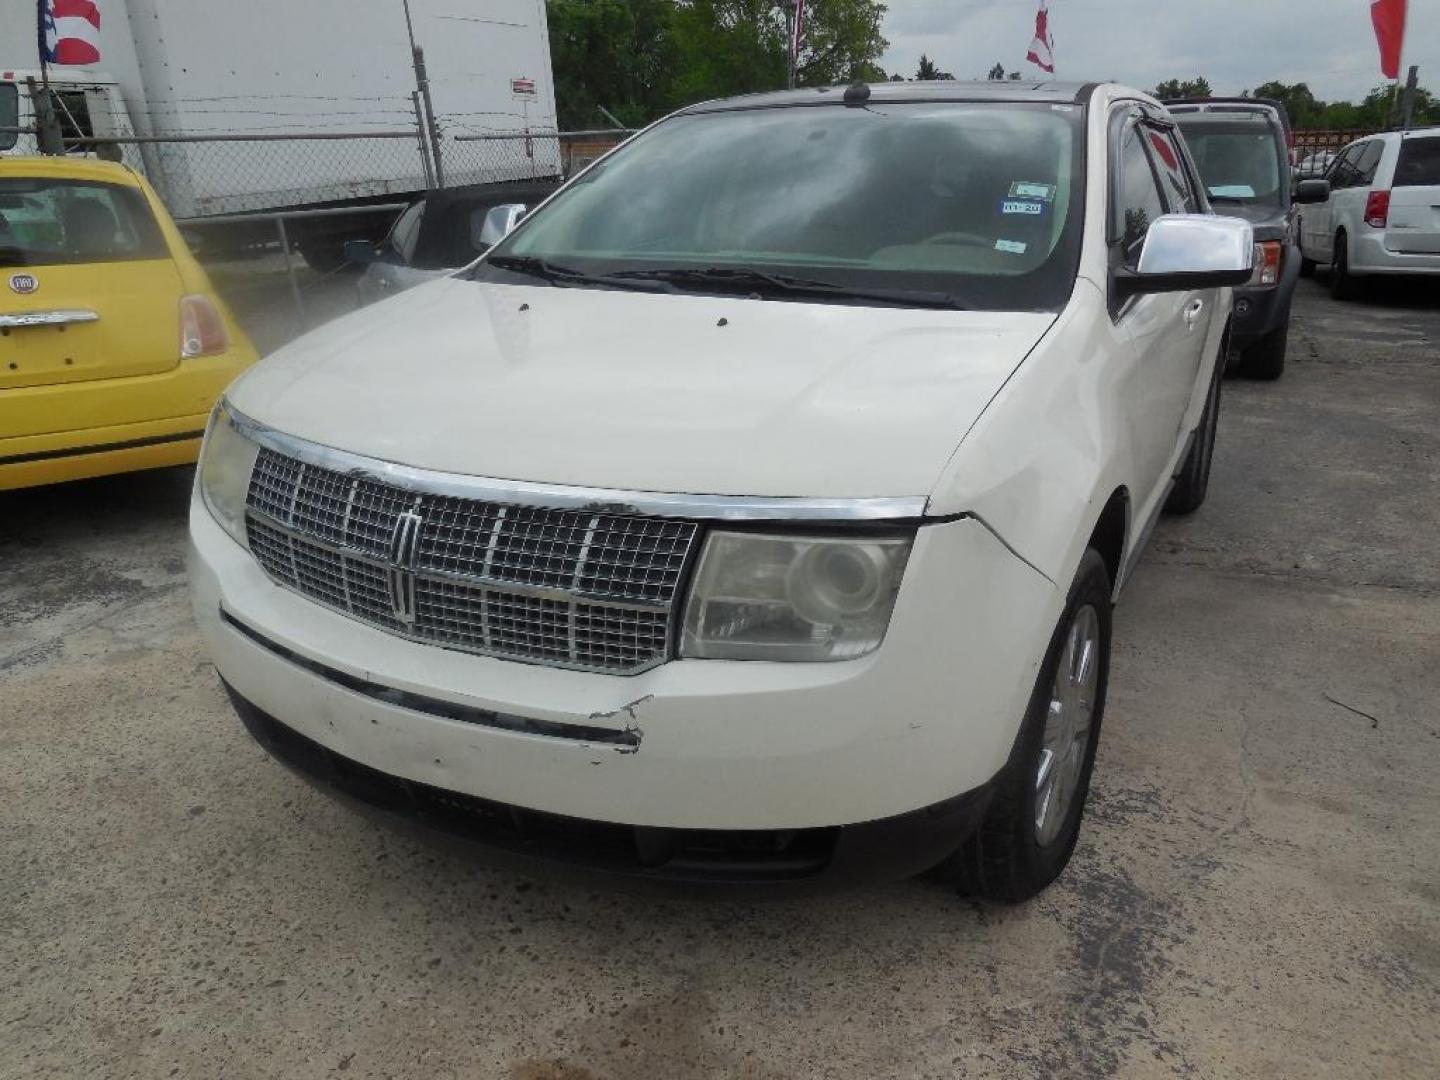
{"type": "Point", "coordinates": [798, 39]}
{"type": "Point", "coordinates": [70, 32]}
{"type": "Point", "coordinates": [1042, 48]}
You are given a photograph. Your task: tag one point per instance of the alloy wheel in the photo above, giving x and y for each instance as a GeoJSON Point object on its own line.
{"type": "Point", "coordinates": [1067, 724]}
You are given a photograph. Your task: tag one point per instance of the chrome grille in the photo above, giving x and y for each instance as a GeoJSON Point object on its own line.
{"type": "Point", "coordinates": [568, 588]}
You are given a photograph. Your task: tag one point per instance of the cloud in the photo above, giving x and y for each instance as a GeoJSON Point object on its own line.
{"type": "Point", "coordinates": [1236, 44]}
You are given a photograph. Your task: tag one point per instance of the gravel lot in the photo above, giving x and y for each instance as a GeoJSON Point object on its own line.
{"type": "Point", "coordinates": [1256, 890]}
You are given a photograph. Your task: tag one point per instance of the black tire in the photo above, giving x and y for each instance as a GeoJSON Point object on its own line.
{"type": "Point", "coordinates": [1343, 285]}
{"type": "Point", "coordinates": [1266, 358]}
{"type": "Point", "coordinates": [1307, 267]}
{"type": "Point", "coordinates": [1004, 860]}
{"type": "Point", "coordinates": [1193, 480]}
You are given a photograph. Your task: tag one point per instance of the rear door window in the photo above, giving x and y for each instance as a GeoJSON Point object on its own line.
{"type": "Point", "coordinates": [45, 222]}
{"type": "Point", "coordinates": [1342, 170]}
{"type": "Point", "coordinates": [1419, 163]}
{"type": "Point", "coordinates": [406, 232]}
{"type": "Point", "coordinates": [9, 115]}
{"type": "Point", "coordinates": [1368, 162]}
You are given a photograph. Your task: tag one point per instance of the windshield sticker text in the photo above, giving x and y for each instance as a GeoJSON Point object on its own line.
{"type": "Point", "coordinates": [1024, 189]}
{"type": "Point", "coordinates": [1028, 207]}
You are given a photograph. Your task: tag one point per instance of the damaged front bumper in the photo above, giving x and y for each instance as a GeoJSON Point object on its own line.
{"type": "Point", "coordinates": [830, 764]}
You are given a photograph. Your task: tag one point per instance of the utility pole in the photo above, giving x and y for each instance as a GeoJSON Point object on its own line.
{"type": "Point", "coordinates": [422, 87]}
{"type": "Point", "coordinates": [1407, 100]}
{"type": "Point", "coordinates": [789, 6]}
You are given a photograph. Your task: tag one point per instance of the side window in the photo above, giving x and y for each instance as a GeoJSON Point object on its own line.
{"type": "Point", "coordinates": [1137, 200]}
{"type": "Point", "coordinates": [1342, 169]}
{"type": "Point", "coordinates": [406, 231]}
{"type": "Point", "coordinates": [1174, 179]}
{"type": "Point", "coordinates": [9, 114]}
{"type": "Point", "coordinates": [1369, 161]}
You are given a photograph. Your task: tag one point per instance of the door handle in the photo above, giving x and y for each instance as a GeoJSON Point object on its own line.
{"type": "Point", "coordinates": [1192, 312]}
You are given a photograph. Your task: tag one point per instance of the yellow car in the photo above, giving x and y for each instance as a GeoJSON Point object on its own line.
{"type": "Point", "coordinates": [113, 344]}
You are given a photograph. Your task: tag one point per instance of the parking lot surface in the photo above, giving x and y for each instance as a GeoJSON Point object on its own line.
{"type": "Point", "coordinates": [1256, 891]}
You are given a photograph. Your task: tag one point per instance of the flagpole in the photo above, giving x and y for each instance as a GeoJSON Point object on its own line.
{"type": "Point", "coordinates": [42, 8]}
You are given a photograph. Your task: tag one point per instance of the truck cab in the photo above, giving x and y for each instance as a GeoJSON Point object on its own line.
{"type": "Point", "coordinates": [84, 105]}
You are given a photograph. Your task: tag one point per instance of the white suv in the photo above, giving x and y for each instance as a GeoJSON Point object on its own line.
{"type": "Point", "coordinates": [750, 514]}
{"type": "Point", "coordinates": [1383, 212]}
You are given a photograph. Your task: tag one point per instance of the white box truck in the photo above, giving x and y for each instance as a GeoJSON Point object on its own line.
{"type": "Point", "coordinates": [261, 73]}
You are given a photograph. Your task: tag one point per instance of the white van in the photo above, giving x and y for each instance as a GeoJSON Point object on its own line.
{"type": "Point", "coordinates": [1383, 213]}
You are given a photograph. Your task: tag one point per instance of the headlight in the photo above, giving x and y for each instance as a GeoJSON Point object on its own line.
{"type": "Point", "coordinates": [225, 463]}
{"type": "Point", "coordinates": [759, 597]}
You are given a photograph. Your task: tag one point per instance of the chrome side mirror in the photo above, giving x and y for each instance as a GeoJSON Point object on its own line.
{"type": "Point", "coordinates": [495, 224]}
{"type": "Point", "coordinates": [1190, 251]}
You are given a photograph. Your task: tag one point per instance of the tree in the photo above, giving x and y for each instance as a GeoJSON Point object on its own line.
{"type": "Point", "coordinates": [928, 72]}
{"type": "Point", "coordinates": [1304, 108]}
{"type": "Point", "coordinates": [641, 58]}
{"type": "Point", "coordinates": [617, 53]}
{"type": "Point", "coordinates": [842, 43]}
{"type": "Point", "coordinates": [1184, 88]}
{"type": "Point", "coordinates": [996, 73]}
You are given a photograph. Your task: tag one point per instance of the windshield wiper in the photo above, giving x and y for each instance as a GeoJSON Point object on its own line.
{"type": "Point", "coordinates": [544, 269]}
{"type": "Point", "coordinates": [757, 280]}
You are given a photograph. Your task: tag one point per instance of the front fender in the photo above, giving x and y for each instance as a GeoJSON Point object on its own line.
{"type": "Point", "coordinates": [1042, 461]}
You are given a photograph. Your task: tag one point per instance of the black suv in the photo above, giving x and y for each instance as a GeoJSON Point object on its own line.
{"type": "Point", "coordinates": [1242, 148]}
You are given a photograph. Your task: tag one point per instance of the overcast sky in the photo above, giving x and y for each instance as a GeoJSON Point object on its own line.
{"type": "Point", "coordinates": [1236, 44]}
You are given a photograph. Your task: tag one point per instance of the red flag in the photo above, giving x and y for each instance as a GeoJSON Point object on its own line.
{"type": "Point", "coordinates": [72, 31]}
{"type": "Point", "coordinates": [1042, 48]}
{"type": "Point", "coordinates": [1389, 19]}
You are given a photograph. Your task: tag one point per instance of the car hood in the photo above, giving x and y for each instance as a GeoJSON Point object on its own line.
{"type": "Point", "coordinates": [1269, 221]}
{"type": "Point", "coordinates": [645, 392]}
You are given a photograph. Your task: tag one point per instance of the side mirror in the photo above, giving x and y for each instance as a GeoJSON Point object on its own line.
{"type": "Point", "coordinates": [1190, 251]}
{"type": "Point", "coordinates": [1312, 191]}
{"type": "Point", "coordinates": [490, 227]}
{"type": "Point", "coordinates": [359, 252]}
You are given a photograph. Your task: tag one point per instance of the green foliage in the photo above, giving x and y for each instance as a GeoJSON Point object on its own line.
{"type": "Point", "coordinates": [1184, 88]}
{"type": "Point", "coordinates": [928, 72]}
{"type": "Point", "coordinates": [997, 73]}
{"type": "Point", "coordinates": [641, 58]}
{"type": "Point", "coordinates": [1374, 112]}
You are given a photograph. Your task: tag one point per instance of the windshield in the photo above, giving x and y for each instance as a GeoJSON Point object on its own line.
{"type": "Point", "coordinates": [977, 203]}
{"type": "Point", "coordinates": [47, 222]}
{"type": "Point", "coordinates": [1239, 164]}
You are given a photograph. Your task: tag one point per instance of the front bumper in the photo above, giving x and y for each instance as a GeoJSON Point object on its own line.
{"type": "Point", "coordinates": [769, 860]}
{"type": "Point", "coordinates": [691, 744]}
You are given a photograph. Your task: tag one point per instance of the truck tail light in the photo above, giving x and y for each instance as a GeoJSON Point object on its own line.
{"type": "Point", "coordinates": [202, 330]}
{"type": "Point", "coordinates": [1377, 209]}
{"type": "Point", "coordinates": [1267, 263]}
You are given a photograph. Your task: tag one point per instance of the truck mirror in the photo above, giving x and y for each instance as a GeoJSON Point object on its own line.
{"type": "Point", "coordinates": [489, 227]}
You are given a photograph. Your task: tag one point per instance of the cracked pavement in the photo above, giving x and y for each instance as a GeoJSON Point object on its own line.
{"type": "Point", "coordinates": [1256, 890]}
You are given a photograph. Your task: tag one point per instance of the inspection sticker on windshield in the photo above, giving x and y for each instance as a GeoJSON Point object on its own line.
{"type": "Point", "coordinates": [1028, 207]}
{"type": "Point", "coordinates": [1014, 247]}
{"type": "Point", "coordinates": [1024, 189]}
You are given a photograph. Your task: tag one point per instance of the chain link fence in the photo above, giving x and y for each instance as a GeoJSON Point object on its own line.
{"type": "Point", "coordinates": [525, 155]}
